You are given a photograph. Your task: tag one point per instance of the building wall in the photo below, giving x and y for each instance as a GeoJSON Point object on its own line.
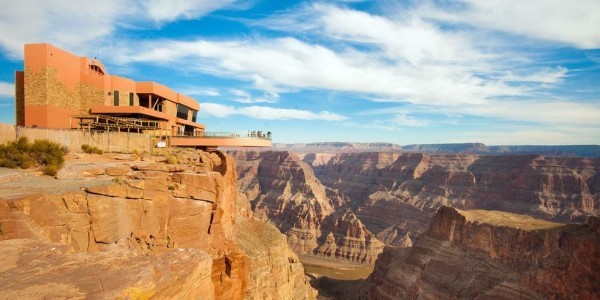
{"type": "Point", "coordinates": [170, 108]}
{"type": "Point", "coordinates": [57, 85]}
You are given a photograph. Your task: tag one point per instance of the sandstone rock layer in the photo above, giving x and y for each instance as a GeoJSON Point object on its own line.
{"type": "Point", "coordinates": [129, 229]}
{"type": "Point", "coordinates": [489, 254]}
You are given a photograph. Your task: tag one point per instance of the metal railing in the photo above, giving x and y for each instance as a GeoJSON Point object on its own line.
{"type": "Point", "coordinates": [232, 135]}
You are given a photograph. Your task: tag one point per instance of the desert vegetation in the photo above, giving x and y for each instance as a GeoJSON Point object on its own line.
{"type": "Point", "coordinates": [44, 154]}
{"type": "Point", "coordinates": [91, 149]}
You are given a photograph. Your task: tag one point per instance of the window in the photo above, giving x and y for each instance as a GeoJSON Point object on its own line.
{"type": "Point", "coordinates": [116, 98]}
{"type": "Point", "coordinates": [194, 115]}
{"type": "Point", "coordinates": [130, 99]}
{"type": "Point", "coordinates": [182, 111]}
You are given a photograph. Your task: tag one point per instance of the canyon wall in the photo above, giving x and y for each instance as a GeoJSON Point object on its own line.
{"type": "Point", "coordinates": [394, 195]}
{"type": "Point", "coordinates": [118, 228]}
{"type": "Point", "coordinates": [491, 255]}
{"type": "Point", "coordinates": [276, 270]}
{"type": "Point", "coordinates": [316, 219]}
{"type": "Point", "coordinates": [456, 148]}
{"type": "Point", "coordinates": [402, 191]}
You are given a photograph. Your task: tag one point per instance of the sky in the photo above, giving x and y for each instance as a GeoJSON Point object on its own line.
{"type": "Point", "coordinates": [406, 72]}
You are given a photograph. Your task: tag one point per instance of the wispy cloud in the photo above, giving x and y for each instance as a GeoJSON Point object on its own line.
{"type": "Point", "coordinates": [544, 76]}
{"type": "Point", "coordinates": [268, 113]}
{"type": "Point", "coordinates": [82, 26]}
{"type": "Point", "coordinates": [552, 20]}
{"type": "Point", "coordinates": [242, 96]}
{"type": "Point", "coordinates": [169, 10]}
{"type": "Point", "coordinates": [408, 59]}
{"type": "Point", "coordinates": [199, 91]}
{"type": "Point", "coordinates": [7, 89]}
{"type": "Point", "coordinates": [533, 136]}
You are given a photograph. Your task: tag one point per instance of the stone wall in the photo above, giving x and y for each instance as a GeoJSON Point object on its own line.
{"type": "Point", "coordinates": [124, 98]}
{"type": "Point", "coordinates": [43, 88]}
{"type": "Point", "coordinates": [73, 139]}
{"type": "Point", "coordinates": [170, 108]}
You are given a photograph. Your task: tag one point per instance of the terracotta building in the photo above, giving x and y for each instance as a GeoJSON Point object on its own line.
{"type": "Point", "coordinates": [57, 89]}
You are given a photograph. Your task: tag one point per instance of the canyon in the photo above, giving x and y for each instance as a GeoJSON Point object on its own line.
{"type": "Point", "coordinates": [117, 226]}
{"type": "Point", "coordinates": [390, 197]}
{"type": "Point", "coordinates": [481, 254]}
{"type": "Point", "coordinates": [433, 226]}
{"type": "Point", "coordinates": [457, 148]}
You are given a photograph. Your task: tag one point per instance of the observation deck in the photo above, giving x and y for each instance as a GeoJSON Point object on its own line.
{"type": "Point", "coordinates": [223, 139]}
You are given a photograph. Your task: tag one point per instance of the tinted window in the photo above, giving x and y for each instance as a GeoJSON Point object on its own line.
{"type": "Point", "coordinates": [116, 99]}
{"type": "Point", "coordinates": [182, 111]}
{"type": "Point", "coordinates": [194, 116]}
{"type": "Point", "coordinates": [130, 99]}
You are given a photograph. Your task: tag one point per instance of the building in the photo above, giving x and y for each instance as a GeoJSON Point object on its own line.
{"type": "Point", "coordinates": [57, 89]}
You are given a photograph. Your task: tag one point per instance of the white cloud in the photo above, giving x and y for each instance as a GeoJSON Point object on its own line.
{"type": "Point", "coordinates": [404, 119]}
{"type": "Point", "coordinates": [403, 59]}
{"type": "Point", "coordinates": [540, 112]}
{"type": "Point", "coordinates": [198, 91]}
{"type": "Point", "coordinates": [268, 113]}
{"type": "Point", "coordinates": [287, 63]}
{"type": "Point", "coordinates": [7, 89]}
{"type": "Point", "coordinates": [245, 97]}
{"type": "Point", "coordinates": [169, 10]}
{"type": "Point", "coordinates": [69, 24]}
{"type": "Point", "coordinates": [535, 136]}
{"type": "Point", "coordinates": [575, 23]}
{"type": "Point", "coordinates": [84, 26]}
{"type": "Point", "coordinates": [544, 76]}
{"type": "Point", "coordinates": [552, 113]}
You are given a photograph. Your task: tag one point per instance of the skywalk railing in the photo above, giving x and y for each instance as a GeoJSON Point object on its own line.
{"type": "Point", "coordinates": [232, 135]}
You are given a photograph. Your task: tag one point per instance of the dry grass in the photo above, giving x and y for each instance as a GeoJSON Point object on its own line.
{"type": "Point", "coordinates": [256, 237]}
{"type": "Point", "coordinates": [500, 218]}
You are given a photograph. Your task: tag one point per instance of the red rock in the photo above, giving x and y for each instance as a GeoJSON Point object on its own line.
{"type": "Point", "coordinates": [483, 254]}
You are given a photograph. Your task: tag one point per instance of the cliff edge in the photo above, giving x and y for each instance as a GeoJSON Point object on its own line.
{"type": "Point", "coordinates": [123, 227]}
{"type": "Point", "coordinates": [481, 254]}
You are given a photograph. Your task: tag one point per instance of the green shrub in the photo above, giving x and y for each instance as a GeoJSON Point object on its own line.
{"type": "Point", "coordinates": [47, 155]}
{"type": "Point", "coordinates": [91, 149]}
{"type": "Point", "coordinates": [171, 159]}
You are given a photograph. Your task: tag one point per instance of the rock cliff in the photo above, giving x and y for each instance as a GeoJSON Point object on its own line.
{"type": "Point", "coordinates": [316, 219]}
{"type": "Point", "coordinates": [400, 192]}
{"type": "Point", "coordinates": [457, 148]}
{"type": "Point", "coordinates": [491, 255]}
{"type": "Point", "coordinates": [276, 269]}
{"type": "Point", "coordinates": [118, 228]}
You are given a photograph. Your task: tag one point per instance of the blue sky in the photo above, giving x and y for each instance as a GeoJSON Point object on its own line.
{"type": "Point", "coordinates": [405, 72]}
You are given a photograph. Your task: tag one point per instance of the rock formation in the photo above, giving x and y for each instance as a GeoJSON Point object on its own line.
{"type": "Point", "coordinates": [316, 219]}
{"type": "Point", "coordinates": [276, 269]}
{"type": "Point", "coordinates": [118, 228]}
{"type": "Point", "coordinates": [404, 190]}
{"type": "Point", "coordinates": [460, 148]}
{"type": "Point", "coordinates": [491, 255]}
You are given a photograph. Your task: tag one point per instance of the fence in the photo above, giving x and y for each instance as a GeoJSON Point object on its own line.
{"type": "Point", "coordinates": [73, 139]}
{"type": "Point", "coordinates": [7, 133]}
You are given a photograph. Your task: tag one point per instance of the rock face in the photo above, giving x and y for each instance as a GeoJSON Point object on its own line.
{"type": "Point", "coordinates": [276, 268]}
{"type": "Point", "coordinates": [391, 191]}
{"type": "Point", "coordinates": [491, 255]}
{"type": "Point", "coordinates": [126, 229]}
{"type": "Point", "coordinates": [460, 148]}
{"type": "Point", "coordinates": [316, 219]}
{"type": "Point", "coordinates": [30, 270]}
{"type": "Point", "coordinates": [336, 147]}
